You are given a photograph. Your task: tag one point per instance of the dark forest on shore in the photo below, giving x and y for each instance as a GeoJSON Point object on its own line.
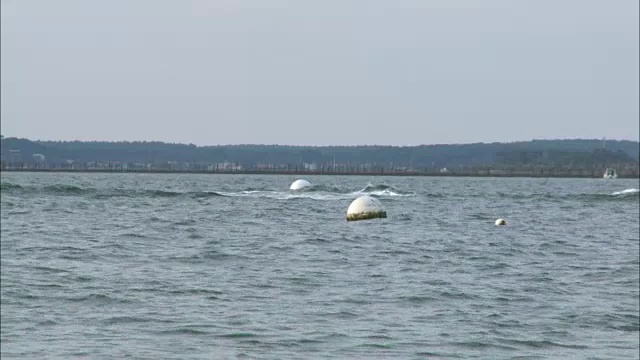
{"type": "Point", "coordinates": [585, 157]}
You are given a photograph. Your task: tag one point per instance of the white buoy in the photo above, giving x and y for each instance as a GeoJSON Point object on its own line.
{"type": "Point", "coordinates": [365, 207]}
{"type": "Point", "coordinates": [299, 184]}
{"type": "Point", "coordinates": [501, 222]}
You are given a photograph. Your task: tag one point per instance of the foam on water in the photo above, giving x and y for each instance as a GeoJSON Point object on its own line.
{"type": "Point", "coordinates": [322, 192]}
{"type": "Point", "coordinates": [381, 191]}
{"type": "Point", "coordinates": [315, 192]}
{"type": "Point", "coordinates": [626, 192]}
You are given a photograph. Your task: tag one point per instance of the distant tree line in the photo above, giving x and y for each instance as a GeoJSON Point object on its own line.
{"type": "Point", "coordinates": [578, 153]}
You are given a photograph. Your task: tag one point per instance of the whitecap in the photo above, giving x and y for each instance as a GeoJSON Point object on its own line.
{"type": "Point", "coordinates": [626, 192]}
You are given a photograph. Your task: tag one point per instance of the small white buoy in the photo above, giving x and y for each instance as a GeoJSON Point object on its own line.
{"type": "Point", "coordinates": [365, 207]}
{"type": "Point", "coordinates": [299, 184]}
{"type": "Point", "coordinates": [501, 222]}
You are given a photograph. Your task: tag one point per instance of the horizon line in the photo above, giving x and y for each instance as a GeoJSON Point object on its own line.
{"type": "Point", "coordinates": [341, 145]}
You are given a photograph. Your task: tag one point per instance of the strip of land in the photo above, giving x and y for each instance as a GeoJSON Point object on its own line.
{"type": "Point", "coordinates": [587, 158]}
{"type": "Point", "coordinates": [486, 172]}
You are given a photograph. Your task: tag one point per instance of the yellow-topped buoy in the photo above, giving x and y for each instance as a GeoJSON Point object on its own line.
{"type": "Point", "coordinates": [299, 184]}
{"type": "Point", "coordinates": [364, 208]}
{"type": "Point", "coordinates": [501, 222]}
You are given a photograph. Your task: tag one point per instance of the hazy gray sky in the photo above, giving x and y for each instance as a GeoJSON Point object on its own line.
{"type": "Point", "coordinates": [322, 72]}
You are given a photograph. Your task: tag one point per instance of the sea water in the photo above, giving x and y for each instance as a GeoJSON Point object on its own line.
{"type": "Point", "coordinates": [181, 266]}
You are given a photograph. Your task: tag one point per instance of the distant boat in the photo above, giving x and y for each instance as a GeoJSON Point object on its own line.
{"type": "Point", "coordinates": [610, 173]}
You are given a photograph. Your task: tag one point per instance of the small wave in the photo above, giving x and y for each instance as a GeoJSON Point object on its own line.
{"type": "Point", "coordinates": [318, 196]}
{"type": "Point", "coordinates": [9, 186]}
{"type": "Point", "coordinates": [287, 195]}
{"type": "Point", "coordinates": [319, 192]}
{"type": "Point", "coordinates": [163, 193]}
{"type": "Point", "coordinates": [119, 320]}
{"type": "Point", "coordinates": [195, 291]}
{"type": "Point", "coordinates": [74, 190]}
{"type": "Point", "coordinates": [249, 193]}
{"type": "Point", "coordinates": [50, 269]}
{"type": "Point", "coordinates": [390, 193]}
{"type": "Point", "coordinates": [217, 255]}
{"type": "Point", "coordinates": [185, 331]}
{"type": "Point", "coordinates": [47, 322]}
{"type": "Point", "coordinates": [626, 192]}
{"type": "Point", "coordinates": [542, 344]}
{"type": "Point", "coordinates": [616, 196]}
{"type": "Point", "coordinates": [98, 298]}
{"type": "Point", "coordinates": [206, 194]}
{"type": "Point", "coordinates": [316, 240]}
{"type": "Point", "coordinates": [185, 222]}
{"type": "Point", "coordinates": [134, 236]}
{"type": "Point", "coordinates": [382, 190]}
{"type": "Point", "coordinates": [520, 196]}
{"type": "Point", "coordinates": [371, 188]}
{"type": "Point", "coordinates": [377, 346]}
{"type": "Point", "coordinates": [253, 189]}
{"type": "Point", "coordinates": [475, 344]}
{"type": "Point", "coordinates": [325, 188]}
{"type": "Point", "coordinates": [235, 335]}
{"type": "Point", "coordinates": [418, 299]}
{"type": "Point", "coordinates": [65, 189]}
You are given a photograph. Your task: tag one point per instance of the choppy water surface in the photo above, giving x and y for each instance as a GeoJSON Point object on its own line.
{"type": "Point", "coordinates": [235, 266]}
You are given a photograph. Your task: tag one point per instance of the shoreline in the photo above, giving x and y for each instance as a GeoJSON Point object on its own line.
{"type": "Point", "coordinates": [501, 173]}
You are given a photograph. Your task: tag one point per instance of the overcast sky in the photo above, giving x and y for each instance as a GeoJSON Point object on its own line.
{"type": "Point", "coordinates": [322, 72]}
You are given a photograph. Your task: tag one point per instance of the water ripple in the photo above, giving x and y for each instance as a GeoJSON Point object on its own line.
{"type": "Point", "coordinates": [129, 265]}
